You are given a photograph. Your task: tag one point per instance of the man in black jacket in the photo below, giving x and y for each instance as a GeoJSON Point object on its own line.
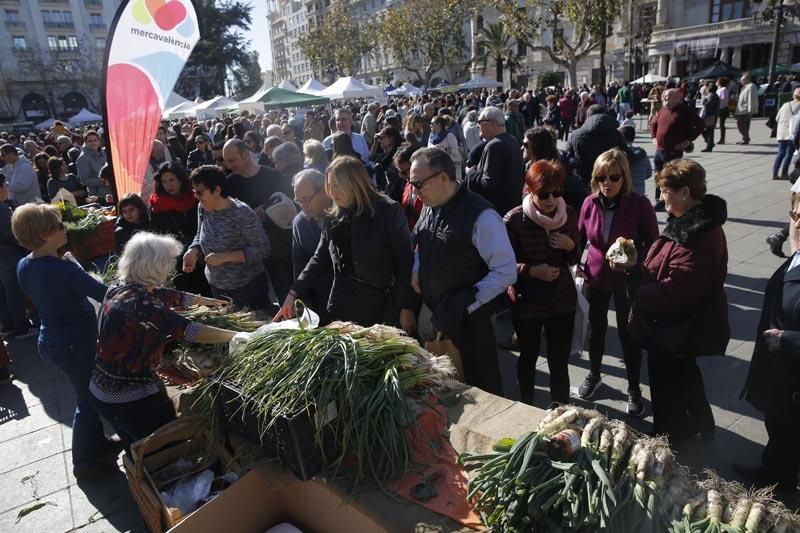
{"type": "Point", "coordinates": [498, 176]}
{"type": "Point", "coordinates": [597, 135]}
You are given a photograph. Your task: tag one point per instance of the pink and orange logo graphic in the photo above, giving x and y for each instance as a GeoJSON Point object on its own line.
{"type": "Point", "coordinates": [167, 14]}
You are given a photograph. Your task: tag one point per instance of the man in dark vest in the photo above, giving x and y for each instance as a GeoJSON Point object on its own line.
{"type": "Point", "coordinates": [464, 262]}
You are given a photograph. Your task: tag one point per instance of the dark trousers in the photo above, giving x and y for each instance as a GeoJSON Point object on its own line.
{"type": "Point", "coordinates": [12, 306]}
{"type": "Point", "coordinates": [708, 136]}
{"type": "Point", "coordinates": [478, 347]}
{"type": "Point", "coordinates": [781, 456]}
{"type": "Point", "coordinates": [136, 420]}
{"type": "Point", "coordinates": [661, 158]}
{"type": "Point", "coordinates": [254, 295]}
{"type": "Point", "coordinates": [723, 115]}
{"type": "Point", "coordinates": [280, 275]}
{"type": "Point", "coordinates": [558, 329]}
{"type": "Point", "coordinates": [743, 125]}
{"type": "Point", "coordinates": [678, 396]}
{"type": "Point", "coordinates": [599, 301]}
{"type": "Point", "coordinates": [564, 131]}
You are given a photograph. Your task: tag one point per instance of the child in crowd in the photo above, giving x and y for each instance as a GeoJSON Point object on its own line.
{"type": "Point", "coordinates": [641, 169]}
{"type": "Point", "coordinates": [628, 120]}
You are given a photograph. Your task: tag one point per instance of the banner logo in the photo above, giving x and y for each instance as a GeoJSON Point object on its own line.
{"type": "Point", "coordinates": [167, 14]}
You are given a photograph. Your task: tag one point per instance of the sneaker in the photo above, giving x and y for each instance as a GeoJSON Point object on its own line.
{"type": "Point", "coordinates": [589, 386]}
{"type": "Point", "coordinates": [32, 331]}
{"type": "Point", "coordinates": [635, 404]}
{"type": "Point", "coordinates": [775, 242]}
{"type": "Point", "coordinates": [512, 343]}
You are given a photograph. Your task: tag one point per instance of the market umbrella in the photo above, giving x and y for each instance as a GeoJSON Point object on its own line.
{"type": "Point", "coordinates": [650, 78]}
{"type": "Point", "coordinates": [719, 68]}
{"type": "Point", "coordinates": [85, 116]}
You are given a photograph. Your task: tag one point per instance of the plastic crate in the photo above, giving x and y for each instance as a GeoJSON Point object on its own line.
{"type": "Point", "coordinates": [291, 438]}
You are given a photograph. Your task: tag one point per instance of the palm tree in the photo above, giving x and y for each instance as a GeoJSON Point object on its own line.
{"type": "Point", "coordinates": [495, 43]}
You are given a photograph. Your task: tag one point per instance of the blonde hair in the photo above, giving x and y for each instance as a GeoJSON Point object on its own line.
{"type": "Point", "coordinates": [606, 160]}
{"type": "Point", "coordinates": [149, 259]}
{"type": "Point", "coordinates": [351, 177]}
{"type": "Point", "coordinates": [31, 223]}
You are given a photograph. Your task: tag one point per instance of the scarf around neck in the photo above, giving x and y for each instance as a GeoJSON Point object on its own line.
{"type": "Point", "coordinates": [162, 203]}
{"type": "Point", "coordinates": [548, 223]}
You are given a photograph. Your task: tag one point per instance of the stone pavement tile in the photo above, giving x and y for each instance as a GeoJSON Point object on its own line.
{"type": "Point", "coordinates": [106, 499]}
{"type": "Point", "coordinates": [54, 517]}
{"type": "Point", "coordinates": [51, 387]}
{"type": "Point", "coordinates": [30, 448]}
{"type": "Point", "coordinates": [28, 482]}
{"type": "Point", "coordinates": [17, 422]}
{"type": "Point", "coordinates": [127, 519]}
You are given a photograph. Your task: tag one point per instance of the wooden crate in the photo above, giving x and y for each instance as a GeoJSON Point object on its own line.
{"type": "Point", "coordinates": [99, 242]}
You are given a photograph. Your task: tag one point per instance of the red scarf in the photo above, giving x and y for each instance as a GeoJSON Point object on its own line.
{"type": "Point", "coordinates": [162, 203]}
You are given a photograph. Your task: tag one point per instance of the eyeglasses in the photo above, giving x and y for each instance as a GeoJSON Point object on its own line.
{"type": "Point", "coordinates": [794, 215]}
{"type": "Point", "coordinates": [200, 142]}
{"type": "Point", "coordinates": [287, 132]}
{"type": "Point", "coordinates": [546, 195]}
{"type": "Point", "coordinates": [199, 192]}
{"type": "Point", "coordinates": [404, 173]}
{"type": "Point", "coordinates": [219, 160]}
{"type": "Point", "coordinates": [305, 201]}
{"type": "Point", "coordinates": [526, 144]}
{"type": "Point", "coordinates": [481, 121]}
{"type": "Point", "coordinates": [613, 177]}
{"type": "Point", "coordinates": [421, 183]}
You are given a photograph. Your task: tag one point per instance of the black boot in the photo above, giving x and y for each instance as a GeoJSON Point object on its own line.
{"type": "Point", "coordinates": [775, 242]}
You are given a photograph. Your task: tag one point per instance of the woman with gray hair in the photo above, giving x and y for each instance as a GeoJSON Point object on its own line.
{"type": "Point", "coordinates": [136, 321]}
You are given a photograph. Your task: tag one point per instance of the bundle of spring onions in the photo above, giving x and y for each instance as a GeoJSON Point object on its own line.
{"type": "Point", "coordinates": [371, 378]}
{"type": "Point", "coordinates": [199, 360]}
{"type": "Point", "coordinates": [579, 471]}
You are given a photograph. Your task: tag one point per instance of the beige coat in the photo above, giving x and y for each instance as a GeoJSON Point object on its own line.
{"type": "Point", "coordinates": [748, 100]}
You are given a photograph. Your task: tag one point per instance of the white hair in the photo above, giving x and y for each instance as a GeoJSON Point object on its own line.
{"type": "Point", "coordinates": [149, 259]}
{"type": "Point", "coordinates": [273, 130]}
{"type": "Point", "coordinates": [312, 176]}
{"type": "Point", "coordinates": [495, 115]}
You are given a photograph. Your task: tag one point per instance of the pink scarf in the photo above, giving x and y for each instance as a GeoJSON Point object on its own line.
{"type": "Point", "coordinates": [548, 223]}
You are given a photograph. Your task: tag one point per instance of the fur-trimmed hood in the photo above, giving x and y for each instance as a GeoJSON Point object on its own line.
{"type": "Point", "coordinates": [709, 214]}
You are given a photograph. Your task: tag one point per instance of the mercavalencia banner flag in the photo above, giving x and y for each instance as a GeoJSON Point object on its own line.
{"type": "Point", "coordinates": [148, 45]}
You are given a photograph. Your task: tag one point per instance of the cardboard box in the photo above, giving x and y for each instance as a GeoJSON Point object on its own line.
{"type": "Point", "coordinates": [255, 503]}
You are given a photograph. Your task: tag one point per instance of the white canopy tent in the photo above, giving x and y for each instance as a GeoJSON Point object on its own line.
{"type": "Point", "coordinates": [216, 107]}
{"type": "Point", "coordinates": [312, 87]}
{"type": "Point", "coordinates": [480, 82]}
{"type": "Point", "coordinates": [254, 103]}
{"type": "Point", "coordinates": [650, 78]}
{"type": "Point", "coordinates": [198, 100]}
{"type": "Point", "coordinates": [406, 89]}
{"type": "Point", "coordinates": [182, 110]}
{"type": "Point", "coordinates": [46, 125]}
{"type": "Point", "coordinates": [83, 116]}
{"type": "Point", "coordinates": [286, 85]}
{"type": "Point", "coordinates": [175, 99]}
{"type": "Point", "coordinates": [349, 87]}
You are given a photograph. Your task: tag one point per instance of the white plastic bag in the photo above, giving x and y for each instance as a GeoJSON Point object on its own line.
{"type": "Point", "coordinates": [187, 493]}
{"type": "Point", "coordinates": [581, 328]}
{"type": "Point", "coordinates": [307, 319]}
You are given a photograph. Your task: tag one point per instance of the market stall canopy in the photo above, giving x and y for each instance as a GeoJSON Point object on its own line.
{"type": "Point", "coordinates": [779, 69]}
{"type": "Point", "coordinates": [389, 88]}
{"type": "Point", "coordinates": [84, 115]}
{"type": "Point", "coordinates": [179, 111]}
{"type": "Point", "coordinates": [275, 97]}
{"type": "Point", "coordinates": [407, 89]}
{"type": "Point", "coordinates": [349, 87]}
{"type": "Point", "coordinates": [175, 99]}
{"type": "Point", "coordinates": [480, 82]}
{"type": "Point", "coordinates": [719, 68]}
{"type": "Point", "coordinates": [286, 85]}
{"type": "Point", "coordinates": [216, 107]}
{"type": "Point", "coordinates": [253, 102]}
{"type": "Point", "coordinates": [650, 78]}
{"type": "Point", "coordinates": [312, 86]}
{"type": "Point", "coordinates": [198, 100]}
{"type": "Point", "coordinates": [47, 124]}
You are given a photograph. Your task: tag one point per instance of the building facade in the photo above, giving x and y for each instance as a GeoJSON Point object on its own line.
{"type": "Point", "coordinates": [51, 55]}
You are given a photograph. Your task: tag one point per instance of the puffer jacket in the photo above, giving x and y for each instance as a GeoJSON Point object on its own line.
{"type": "Point", "coordinates": [598, 134]}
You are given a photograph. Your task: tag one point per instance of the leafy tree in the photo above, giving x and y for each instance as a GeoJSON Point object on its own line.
{"type": "Point", "coordinates": [592, 24]}
{"type": "Point", "coordinates": [497, 45]}
{"type": "Point", "coordinates": [246, 79]}
{"type": "Point", "coordinates": [422, 36]}
{"type": "Point", "coordinates": [221, 47]}
{"type": "Point", "coordinates": [339, 42]}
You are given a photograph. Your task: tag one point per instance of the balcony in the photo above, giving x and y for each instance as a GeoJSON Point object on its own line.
{"type": "Point", "coordinates": [51, 24]}
{"type": "Point", "coordinates": [93, 3]}
{"type": "Point", "coordinates": [14, 24]}
{"type": "Point", "coordinates": [98, 26]}
{"type": "Point", "coordinates": [705, 30]}
{"type": "Point", "coordinates": [54, 2]}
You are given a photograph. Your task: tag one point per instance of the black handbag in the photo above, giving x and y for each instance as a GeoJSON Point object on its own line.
{"type": "Point", "coordinates": [668, 336]}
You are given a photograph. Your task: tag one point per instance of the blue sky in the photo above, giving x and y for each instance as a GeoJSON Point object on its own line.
{"type": "Point", "coordinates": [259, 33]}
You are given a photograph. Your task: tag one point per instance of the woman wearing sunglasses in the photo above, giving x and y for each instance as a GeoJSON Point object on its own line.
{"type": "Point", "coordinates": [201, 155]}
{"type": "Point", "coordinates": [544, 235]}
{"type": "Point", "coordinates": [613, 210]}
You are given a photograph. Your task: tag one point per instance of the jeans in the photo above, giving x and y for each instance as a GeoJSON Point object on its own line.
{"type": "Point", "coordinates": [623, 108]}
{"type": "Point", "coordinates": [12, 307]}
{"type": "Point", "coordinates": [558, 329]}
{"type": "Point", "coordinates": [723, 114]}
{"type": "Point", "coordinates": [76, 362]}
{"type": "Point", "coordinates": [137, 419]}
{"type": "Point", "coordinates": [253, 295]}
{"type": "Point", "coordinates": [743, 124]}
{"type": "Point", "coordinates": [783, 158]}
{"type": "Point", "coordinates": [599, 300]}
{"type": "Point", "coordinates": [678, 396]}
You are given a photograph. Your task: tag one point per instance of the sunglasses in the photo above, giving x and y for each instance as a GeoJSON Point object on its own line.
{"type": "Point", "coordinates": [613, 177]}
{"type": "Point", "coordinates": [794, 215]}
{"type": "Point", "coordinates": [546, 195]}
{"type": "Point", "coordinates": [219, 160]}
{"type": "Point", "coordinates": [421, 183]}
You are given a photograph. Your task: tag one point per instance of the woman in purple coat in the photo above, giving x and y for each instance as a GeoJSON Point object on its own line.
{"type": "Point", "coordinates": [614, 210]}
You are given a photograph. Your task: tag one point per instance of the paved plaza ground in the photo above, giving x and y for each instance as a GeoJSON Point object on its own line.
{"type": "Point", "coordinates": [36, 408]}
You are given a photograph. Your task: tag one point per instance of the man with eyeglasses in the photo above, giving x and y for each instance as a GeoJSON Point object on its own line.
{"type": "Point", "coordinates": [498, 176]}
{"type": "Point", "coordinates": [310, 195]}
{"type": "Point", "coordinates": [464, 261]}
{"type": "Point", "coordinates": [344, 123]}
{"type": "Point", "coordinates": [20, 176]}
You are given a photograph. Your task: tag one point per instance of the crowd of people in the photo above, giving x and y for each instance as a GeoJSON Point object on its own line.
{"type": "Point", "coordinates": [433, 214]}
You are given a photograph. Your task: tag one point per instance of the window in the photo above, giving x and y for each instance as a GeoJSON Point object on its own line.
{"type": "Point", "coordinates": [522, 50]}
{"type": "Point", "coordinates": [100, 42]}
{"type": "Point", "coordinates": [722, 10]}
{"type": "Point", "coordinates": [96, 18]}
{"type": "Point", "coordinates": [52, 42]}
{"type": "Point", "coordinates": [73, 42]}
{"type": "Point", "coordinates": [47, 16]}
{"type": "Point", "coordinates": [66, 16]}
{"type": "Point", "coordinates": [20, 43]}
{"type": "Point", "coordinates": [12, 15]}
{"type": "Point", "coordinates": [62, 43]}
